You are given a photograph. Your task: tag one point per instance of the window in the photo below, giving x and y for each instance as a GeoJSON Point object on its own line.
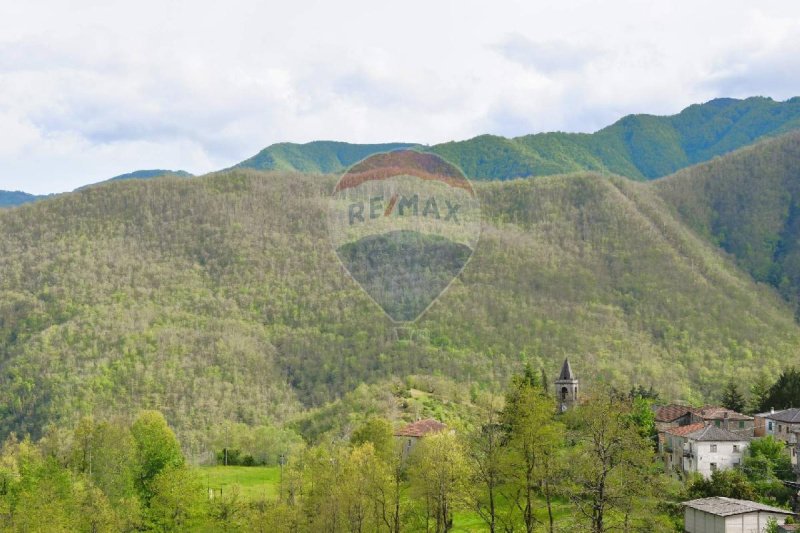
{"type": "Point", "coordinates": [779, 428]}
{"type": "Point", "coordinates": [735, 448]}
{"type": "Point", "coordinates": [769, 425]}
{"type": "Point", "coordinates": [741, 424]}
{"type": "Point", "coordinates": [713, 448]}
{"type": "Point", "coordinates": [716, 423]}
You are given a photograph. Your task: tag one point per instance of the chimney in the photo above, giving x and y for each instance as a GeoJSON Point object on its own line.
{"type": "Point", "coordinates": [772, 410]}
{"type": "Point", "coordinates": [727, 422]}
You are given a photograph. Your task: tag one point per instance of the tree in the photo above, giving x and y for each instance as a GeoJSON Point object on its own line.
{"type": "Point", "coordinates": [784, 393]}
{"type": "Point", "coordinates": [731, 397]}
{"type": "Point", "coordinates": [386, 480]}
{"type": "Point", "coordinates": [157, 449]}
{"type": "Point", "coordinates": [486, 453]}
{"type": "Point", "coordinates": [534, 443]}
{"type": "Point", "coordinates": [758, 393]}
{"type": "Point", "coordinates": [439, 475]}
{"type": "Point", "coordinates": [177, 498]}
{"type": "Point", "coordinates": [378, 432]}
{"type": "Point", "coordinates": [772, 525]}
{"type": "Point", "coordinates": [611, 471]}
{"type": "Point", "coordinates": [106, 454]}
{"type": "Point", "coordinates": [44, 497]}
{"type": "Point", "coordinates": [765, 465]}
{"type": "Point", "coordinates": [730, 483]}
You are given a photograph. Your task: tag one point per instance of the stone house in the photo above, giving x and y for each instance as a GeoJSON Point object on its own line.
{"type": "Point", "coordinates": [670, 447]}
{"type": "Point", "coordinates": [410, 434]}
{"type": "Point", "coordinates": [724, 418]}
{"type": "Point", "coordinates": [712, 448]}
{"type": "Point", "coordinates": [784, 425]}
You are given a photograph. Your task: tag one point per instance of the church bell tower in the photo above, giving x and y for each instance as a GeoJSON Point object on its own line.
{"type": "Point", "coordinates": [566, 387]}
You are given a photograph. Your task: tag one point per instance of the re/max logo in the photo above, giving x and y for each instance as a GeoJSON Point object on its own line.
{"type": "Point", "coordinates": [406, 205]}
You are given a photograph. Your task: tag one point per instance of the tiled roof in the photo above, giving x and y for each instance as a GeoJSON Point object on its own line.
{"type": "Point", "coordinates": [715, 434]}
{"type": "Point", "coordinates": [420, 428]}
{"type": "Point", "coordinates": [791, 416]}
{"type": "Point", "coordinates": [684, 430]}
{"type": "Point", "coordinates": [721, 506]}
{"type": "Point", "coordinates": [669, 413]}
{"type": "Point", "coordinates": [718, 413]}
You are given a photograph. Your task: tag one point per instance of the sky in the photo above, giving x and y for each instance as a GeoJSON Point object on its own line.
{"type": "Point", "coordinates": [90, 89]}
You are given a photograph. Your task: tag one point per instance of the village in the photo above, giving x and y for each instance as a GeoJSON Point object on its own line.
{"type": "Point", "coordinates": [692, 441]}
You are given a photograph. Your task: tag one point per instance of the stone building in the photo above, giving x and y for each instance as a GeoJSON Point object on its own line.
{"type": "Point", "coordinates": [567, 387]}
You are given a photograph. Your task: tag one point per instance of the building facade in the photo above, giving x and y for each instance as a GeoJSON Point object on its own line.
{"type": "Point", "coordinates": [711, 448]}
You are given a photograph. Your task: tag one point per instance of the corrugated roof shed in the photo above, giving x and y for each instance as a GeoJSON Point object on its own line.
{"type": "Point", "coordinates": [721, 506]}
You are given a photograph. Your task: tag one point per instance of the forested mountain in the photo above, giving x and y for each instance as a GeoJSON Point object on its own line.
{"type": "Point", "coordinates": [322, 157]}
{"type": "Point", "coordinates": [749, 204]}
{"type": "Point", "coordinates": [147, 174]}
{"type": "Point", "coordinates": [640, 147]}
{"type": "Point", "coordinates": [154, 173]}
{"type": "Point", "coordinates": [220, 299]}
{"type": "Point", "coordinates": [637, 146]}
{"type": "Point", "coordinates": [12, 198]}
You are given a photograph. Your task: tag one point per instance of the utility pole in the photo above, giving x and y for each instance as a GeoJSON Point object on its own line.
{"type": "Point", "coordinates": [281, 462]}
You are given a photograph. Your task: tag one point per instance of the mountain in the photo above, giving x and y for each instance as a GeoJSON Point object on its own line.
{"type": "Point", "coordinates": [155, 173]}
{"type": "Point", "coordinates": [145, 174]}
{"type": "Point", "coordinates": [12, 198]}
{"type": "Point", "coordinates": [640, 147]}
{"type": "Point", "coordinates": [220, 299]}
{"type": "Point", "coordinates": [323, 157]}
{"type": "Point", "coordinates": [749, 204]}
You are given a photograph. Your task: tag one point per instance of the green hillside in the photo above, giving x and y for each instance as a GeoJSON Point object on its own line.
{"type": "Point", "coordinates": [637, 146]}
{"type": "Point", "coordinates": [153, 173]}
{"type": "Point", "coordinates": [323, 157]}
{"type": "Point", "coordinates": [144, 175]}
{"type": "Point", "coordinates": [749, 204]}
{"type": "Point", "coordinates": [220, 299]}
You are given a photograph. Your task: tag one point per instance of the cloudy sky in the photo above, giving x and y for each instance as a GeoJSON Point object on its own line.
{"type": "Point", "coordinates": [94, 88]}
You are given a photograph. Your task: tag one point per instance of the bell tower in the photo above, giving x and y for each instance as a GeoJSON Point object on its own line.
{"type": "Point", "coordinates": [566, 387]}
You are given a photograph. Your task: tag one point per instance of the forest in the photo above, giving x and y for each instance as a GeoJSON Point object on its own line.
{"type": "Point", "coordinates": [524, 466]}
{"type": "Point", "coordinates": [219, 299]}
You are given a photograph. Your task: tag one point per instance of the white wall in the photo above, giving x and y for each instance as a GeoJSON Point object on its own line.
{"type": "Point", "coordinates": [724, 457]}
{"type": "Point", "coordinates": [751, 522]}
{"type": "Point", "coordinates": [699, 522]}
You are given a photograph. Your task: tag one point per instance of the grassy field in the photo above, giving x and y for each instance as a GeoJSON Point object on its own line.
{"type": "Point", "coordinates": [255, 482]}
{"type": "Point", "coordinates": [258, 482]}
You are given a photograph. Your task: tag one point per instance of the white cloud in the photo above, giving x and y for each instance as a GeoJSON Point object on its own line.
{"type": "Point", "coordinates": [92, 89]}
{"type": "Point", "coordinates": [547, 56]}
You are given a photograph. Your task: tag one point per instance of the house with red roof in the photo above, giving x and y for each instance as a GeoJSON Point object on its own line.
{"type": "Point", "coordinates": [410, 434]}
